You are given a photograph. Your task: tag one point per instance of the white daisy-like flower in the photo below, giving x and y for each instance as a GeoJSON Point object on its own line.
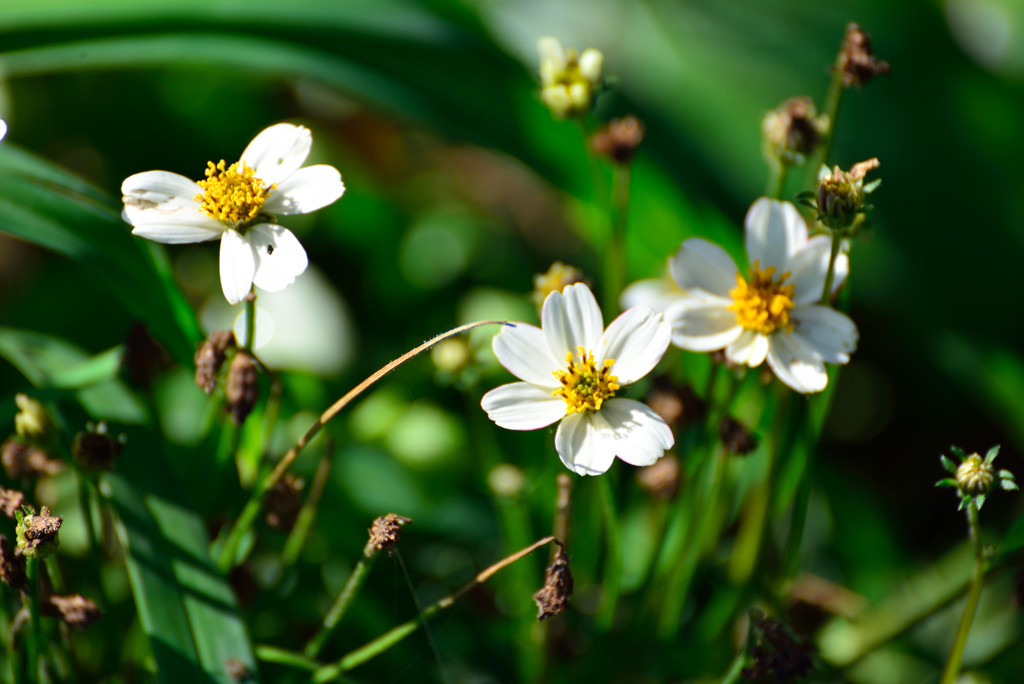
{"type": "Point", "coordinates": [569, 82]}
{"type": "Point", "coordinates": [3, 129]}
{"type": "Point", "coordinates": [236, 203]}
{"type": "Point", "coordinates": [774, 313]}
{"type": "Point", "coordinates": [571, 368]}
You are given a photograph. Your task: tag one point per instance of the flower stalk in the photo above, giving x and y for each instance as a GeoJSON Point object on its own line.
{"type": "Point", "coordinates": [34, 637]}
{"type": "Point", "coordinates": [226, 554]}
{"type": "Point", "coordinates": [613, 558]}
{"type": "Point", "coordinates": [341, 604]}
{"type": "Point", "coordinates": [615, 254]}
{"type": "Point", "coordinates": [952, 669]}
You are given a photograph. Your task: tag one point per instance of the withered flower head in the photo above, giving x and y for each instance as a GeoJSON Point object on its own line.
{"type": "Point", "coordinates": [736, 438]}
{"type": "Point", "coordinates": [553, 597]}
{"type": "Point", "coordinates": [12, 566]}
{"type": "Point", "coordinates": [37, 534]}
{"type": "Point", "coordinates": [210, 357]}
{"type": "Point", "coordinates": [76, 611]}
{"type": "Point", "coordinates": [777, 651]}
{"type": "Point", "coordinates": [10, 501]}
{"type": "Point", "coordinates": [857, 60]}
{"type": "Point", "coordinates": [619, 139]}
{"type": "Point", "coordinates": [96, 449]}
{"type": "Point", "coordinates": [237, 670]}
{"type": "Point", "coordinates": [387, 531]}
{"type": "Point", "coordinates": [678, 405]}
{"type": "Point", "coordinates": [283, 502]}
{"type": "Point", "coordinates": [660, 480]}
{"type": "Point", "coordinates": [144, 357]}
{"type": "Point", "coordinates": [243, 387]}
{"type": "Point", "coordinates": [792, 131]}
{"type": "Point", "coordinates": [23, 460]}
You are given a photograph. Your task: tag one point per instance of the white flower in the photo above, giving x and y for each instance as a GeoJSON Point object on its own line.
{"type": "Point", "coordinates": [569, 82]}
{"type": "Point", "coordinates": [774, 314]}
{"type": "Point", "coordinates": [657, 293]}
{"type": "Point", "coordinates": [572, 368]}
{"type": "Point", "coordinates": [235, 203]}
{"type": "Point", "coordinates": [3, 129]}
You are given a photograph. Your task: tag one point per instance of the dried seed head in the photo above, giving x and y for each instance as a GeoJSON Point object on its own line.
{"type": "Point", "coordinates": [144, 357]}
{"type": "Point", "coordinates": [975, 476]}
{"type": "Point", "coordinates": [677, 405]}
{"type": "Point", "coordinates": [243, 387]}
{"type": "Point", "coordinates": [792, 131]}
{"type": "Point", "coordinates": [210, 357]}
{"type": "Point", "coordinates": [283, 502]}
{"type": "Point", "coordinates": [660, 480]}
{"type": "Point", "coordinates": [735, 437]}
{"type": "Point", "coordinates": [619, 139]}
{"type": "Point", "coordinates": [237, 670]}
{"type": "Point", "coordinates": [553, 597]}
{"type": "Point", "coordinates": [76, 611]}
{"type": "Point", "coordinates": [10, 501]}
{"type": "Point", "coordinates": [37, 534]}
{"type": "Point", "coordinates": [387, 531]}
{"type": "Point", "coordinates": [12, 566]}
{"type": "Point", "coordinates": [555, 279]}
{"type": "Point", "coordinates": [23, 460]}
{"type": "Point", "coordinates": [857, 60]}
{"type": "Point", "coordinates": [96, 449]}
{"type": "Point", "coordinates": [31, 421]}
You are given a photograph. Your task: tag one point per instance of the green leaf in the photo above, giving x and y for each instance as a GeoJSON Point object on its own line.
{"type": "Point", "coordinates": [53, 363]}
{"type": "Point", "coordinates": [185, 606]}
{"type": "Point", "coordinates": [53, 209]}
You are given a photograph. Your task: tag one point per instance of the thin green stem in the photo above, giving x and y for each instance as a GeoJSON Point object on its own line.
{"type": "Point", "coordinates": [228, 551]}
{"type": "Point", "coordinates": [952, 669]}
{"type": "Point", "coordinates": [279, 656]}
{"type": "Point", "coordinates": [34, 637]}
{"type": "Point", "coordinates": [341, 604]}
{"type": "Point", "coordinates": [250, 321]}
{"type": "Point", "coordinates": [304, 519]}
{"type": "Point", "coordinates": [615, 252]}
{"type": "Point", "coordinates": [382, 643]}
{"type": "Point", "coordinates": [778, 172]}
{"type": "Point", "coordinates": [613, 555]}
{"type": "Point", "coordinates": [830, 108]}
{"type": "Point", "coordinates": [830, 274]}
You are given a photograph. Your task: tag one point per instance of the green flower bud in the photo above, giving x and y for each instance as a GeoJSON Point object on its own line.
{"type": "Point", "coordinates": [974, 476]}
{"type": "Point", "coordinates": [841, 195]}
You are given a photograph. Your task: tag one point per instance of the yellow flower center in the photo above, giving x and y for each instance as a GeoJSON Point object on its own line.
{"type": "Point", "coordinates": [232, 194]}
{"type": "Point", "coordinates": [764, 303]}
{"type": "Point", "coordinates": [584, 385]}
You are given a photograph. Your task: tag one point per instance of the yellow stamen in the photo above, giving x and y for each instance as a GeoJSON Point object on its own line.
{"type": "Point", "coordinates": [584, 385]}
{"type": "Point", "coordinates": [764, 303]}
{"type": "Point", "coordinates": [232, 194]}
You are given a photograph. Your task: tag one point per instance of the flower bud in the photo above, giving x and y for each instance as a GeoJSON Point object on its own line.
{"type": "Point", "coordinates": [569, 84]}
{"type": "Point", "coordinates": [31, 421]}
{"type": "Point", "coordinates": [619, 139]}
{"type": "Point", "coordinates": [841, 195]}
{"type": "Point", "coordinates": [974, 476]}
{"type": "Point", "coordinates": [243, 387]}
{"type": "Point", "coordinates": [37, 534]}
{"type": "Point", "coordinates": [792, 131]}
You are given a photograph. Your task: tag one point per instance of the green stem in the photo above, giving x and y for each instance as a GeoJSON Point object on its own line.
{"type": "Point", "coordinates": [34, 640]}
{"type": "Point", "coordinates": [830, 108]}
{"type": "Point", "coordinates": [341, 604]}
{"type": "Point", "coordinates": [306, 515]}
{"type": "Point", "coordinates": [250, 321]}
{"type": "Point", "coordinates": [382, 643]}
{"type": "Point", "coordinates": [279, 656]}
{"type": "Point", "coordinates": [615, 252]}
{"type": "Point", "coordinates": [830, 274]}
{"type": "Point", "coordinates": [227, 552]}
{"type": "Point", "coordinates": [613, 555]}
{"type": "Point", "coordinates": [778, 171]}
{"type": "Point", "coordinates": [952, 669]}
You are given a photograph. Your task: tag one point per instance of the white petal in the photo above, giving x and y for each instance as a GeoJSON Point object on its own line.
{"type": "Point", "coordinates": [570, 319]}
{"type": "Point", "coordinates": [702, 326]}
{"type": "Point", "coordinates": [584, 443]}
{"type": "Point", "coordinates": [657, 293]}
{"type": "Point", "coordinates": [237, 266]}
{"type": "Point", "coordinates": [280, 258]}
{"type": "Point", "coordinates": [830, 333]}
{"type": "Point", "coordinates": [809, 267]}
{"type": "Point", "coordinates": [278, 151]}
{"type": "Point", "coordinates": [775, 231]}
{"type": "Point", "coordinates": [795, 365]}
{"type": "Point", "coordinates": [162, 207]}
{"type": "Point", "coordinates": [306, 190]}
{"type": "Point", "coordinates": [750, 348]}
{"type": "Point", "coordinates": [3, 129]}
{"type": "Point", "coordinates": [552, 59]}
{"type": "Point", "coordinates": [176, 229]}
{"type": "Point", "coordinates": [636, 341]}
{"type": "Point", "coordinates": [523, 350]}
{"type": "Point", "coordinates": [522, 406]}
{"type": "Point", "coordinates": [705, 265]}
{"type": "Point", "coordinates": [591, 64]}
{"type": "Point", "coordinates": [641, 436]}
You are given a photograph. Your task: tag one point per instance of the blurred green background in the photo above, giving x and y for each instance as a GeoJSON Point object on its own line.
{"type": "Point", "coordinates": [460, 188]}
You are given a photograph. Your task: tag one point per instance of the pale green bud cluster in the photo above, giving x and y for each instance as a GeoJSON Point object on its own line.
{"type": "Point", "coordinates": [569, 82]}
{"type": "Point", "coordinates": [975, 477]}
{"type": "Point", "coordinates": [31, 421]}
